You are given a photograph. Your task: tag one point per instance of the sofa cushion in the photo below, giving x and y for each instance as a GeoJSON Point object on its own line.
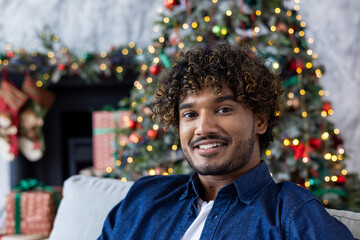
{"type": "Point", "coordinates": [350, 219]}
{"type": "Point", "coordinates": [85, 205]}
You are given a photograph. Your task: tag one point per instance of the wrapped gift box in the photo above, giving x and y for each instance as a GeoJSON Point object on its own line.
{"type": "Point", "coordinates": [36, 214]}
{"type": "Point", "coordinates": [106, 124]}
{"type": "Point", "coordinates": [22, 237]}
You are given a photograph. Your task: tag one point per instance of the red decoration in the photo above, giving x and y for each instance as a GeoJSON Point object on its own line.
{"type": "Point", "coordinates": [295, 64]}
{"type": "Point", "coordinates": [326, 106]}
{"type": "Point", "coordinates": [152, 134]}
{"type": "Point", "coordinates": [315, 143]}
{"type": "Point", "coordinates": [155, 69]}
{"type": "Point", "coordinates": [174, 38]}
{"type": "Point", "coordinates": [341, 179]}
{"type": "Point", "coordinates": [301, 151]}
{"type": "Point", "coordinates": [11, 101]}
{"type": "Point", "coordinates": [37, 145]}
{"type": "Point", "coordinates": [10, 54]}
{"type": "Point", "coordinates": [169, 4]}
{"type": "Point", "coordinates": [132, 124]}
{"type": "Point", "coordinates": [61, 67]}
{"type": "Point", "coordinates": [282, 27]}
{"type": "Point", "coordinates": [134, 137]}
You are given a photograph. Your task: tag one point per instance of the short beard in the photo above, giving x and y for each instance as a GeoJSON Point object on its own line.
{"type": "Point", "coordinates": [240, 158]}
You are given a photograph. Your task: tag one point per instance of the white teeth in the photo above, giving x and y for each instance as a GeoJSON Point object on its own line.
{"type": "Point", "coordinates": [207, 146]}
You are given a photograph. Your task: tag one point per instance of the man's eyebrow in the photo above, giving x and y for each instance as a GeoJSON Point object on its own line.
{"type": "Point", "coordinates": [216, 100]}
{"type": "Point", "coordinates": [185, 105]}
{"type": "Point", "coordinates": [224, 98]}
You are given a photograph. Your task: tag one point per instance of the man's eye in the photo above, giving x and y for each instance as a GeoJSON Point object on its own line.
{"type": "Point", "coordinates": [224, 110]}
{"type": "Point", "coordinates": [189, 115]}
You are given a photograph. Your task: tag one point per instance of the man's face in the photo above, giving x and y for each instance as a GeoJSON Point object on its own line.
{"type": "Point", "coordinates": [217, 133]}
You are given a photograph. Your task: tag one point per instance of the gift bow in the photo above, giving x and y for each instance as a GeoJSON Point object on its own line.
{"type": "Point", "coordinates": [28, 185]}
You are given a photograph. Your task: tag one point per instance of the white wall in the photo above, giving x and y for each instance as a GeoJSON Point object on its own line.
{"type": "Point", "coordinates": [335, 27]}
{"type": "Point", "coordinates": [83, 25]}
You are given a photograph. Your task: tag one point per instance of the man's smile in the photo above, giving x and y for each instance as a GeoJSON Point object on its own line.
{"type": "Point", "coordinates": [210, 146]}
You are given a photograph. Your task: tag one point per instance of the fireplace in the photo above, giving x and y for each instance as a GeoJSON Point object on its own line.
{"type": "Point", "coordinates": [68, 128]}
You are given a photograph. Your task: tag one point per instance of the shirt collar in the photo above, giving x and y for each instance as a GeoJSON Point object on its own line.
{"type": "Point", "coordinates": [192, 188]}
{"type": "Point", "coordinates": [251, 184]}
{"type": "Point", "coordinates": [247, 187]}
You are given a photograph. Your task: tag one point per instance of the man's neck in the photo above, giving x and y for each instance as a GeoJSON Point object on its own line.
{"type": "Point", "coordinates": [211, 184]}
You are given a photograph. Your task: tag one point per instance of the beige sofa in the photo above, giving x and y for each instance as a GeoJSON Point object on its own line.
{"type": "Point", "coordinates": [87, 200]}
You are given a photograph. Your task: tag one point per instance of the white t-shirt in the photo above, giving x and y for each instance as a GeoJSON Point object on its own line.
{"type": "Point", "coordinates": [195, 230]}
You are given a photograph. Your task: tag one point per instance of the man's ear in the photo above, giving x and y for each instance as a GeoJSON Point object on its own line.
{"type": "Point", "coordinates": [260, 124]}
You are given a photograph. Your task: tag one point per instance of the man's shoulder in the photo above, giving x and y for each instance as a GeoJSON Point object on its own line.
{"type": "Point", "coordinates": [295, 201]}
{"type": "Point", "coordinates": [305, 217]}
{"type": "Point", "coordinates": [293, 193]}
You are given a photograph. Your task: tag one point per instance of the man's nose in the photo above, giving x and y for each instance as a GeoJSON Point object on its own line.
{"type": "Point", "coordinates": [206, 124]}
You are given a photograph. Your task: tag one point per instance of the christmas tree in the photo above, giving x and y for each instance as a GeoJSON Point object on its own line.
{"type": "Point", "coordinates": [307, 149]}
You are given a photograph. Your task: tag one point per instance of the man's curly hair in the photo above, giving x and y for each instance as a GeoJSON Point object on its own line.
{"type": "Point", "coordinates": [252, 83]}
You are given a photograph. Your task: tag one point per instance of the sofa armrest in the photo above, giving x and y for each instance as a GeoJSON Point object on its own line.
{"type": "Point", "coordinates": [85, 205]}
{"type": "Point", "coordinates": [348, 218]}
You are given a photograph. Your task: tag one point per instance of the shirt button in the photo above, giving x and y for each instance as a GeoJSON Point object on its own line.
{"type": "Point", "coordinates": [215, 217]}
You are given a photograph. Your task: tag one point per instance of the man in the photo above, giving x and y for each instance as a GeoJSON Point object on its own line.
{"type": "Point", "coordinates": [223, 102]}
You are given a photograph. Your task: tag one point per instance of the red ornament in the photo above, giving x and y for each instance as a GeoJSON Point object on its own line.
{"type": "Point", "coordinates": [315, 143]}
{"type": "Point", "coordinates": [174, 38]}
{"type": "Point", "coordinates": [155, 69]}
{"type": "Point", "coordinates": [10, 54]}
{"type": "Point", "coordinates": [326, 106]}
{"type": "Point", "coordinates": [61, 67]}
{"type": "Point", "coordinates": [169, 4]}
{"type": "Point", "coordinates": [134, 137]}
{"type": "Point", "coordinates": [132, 124]}
{"type": "Point", "coordinates": [341, 179]}
{"type": "Point", "coordinates": [282, 27]}
{"type": "Point", "coordinates": [152, 134]}
{"type": "Point", "coordinates": [295, 64]}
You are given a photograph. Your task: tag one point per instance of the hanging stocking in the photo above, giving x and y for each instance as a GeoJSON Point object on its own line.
{"type": "Point", "coordinates": [11, 100]}
{"type": "Point", "coordinates": [31, 139]}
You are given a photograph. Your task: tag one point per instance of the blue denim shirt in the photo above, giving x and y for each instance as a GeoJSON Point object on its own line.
{"type": "Point", "coordinates": [251, 207]}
